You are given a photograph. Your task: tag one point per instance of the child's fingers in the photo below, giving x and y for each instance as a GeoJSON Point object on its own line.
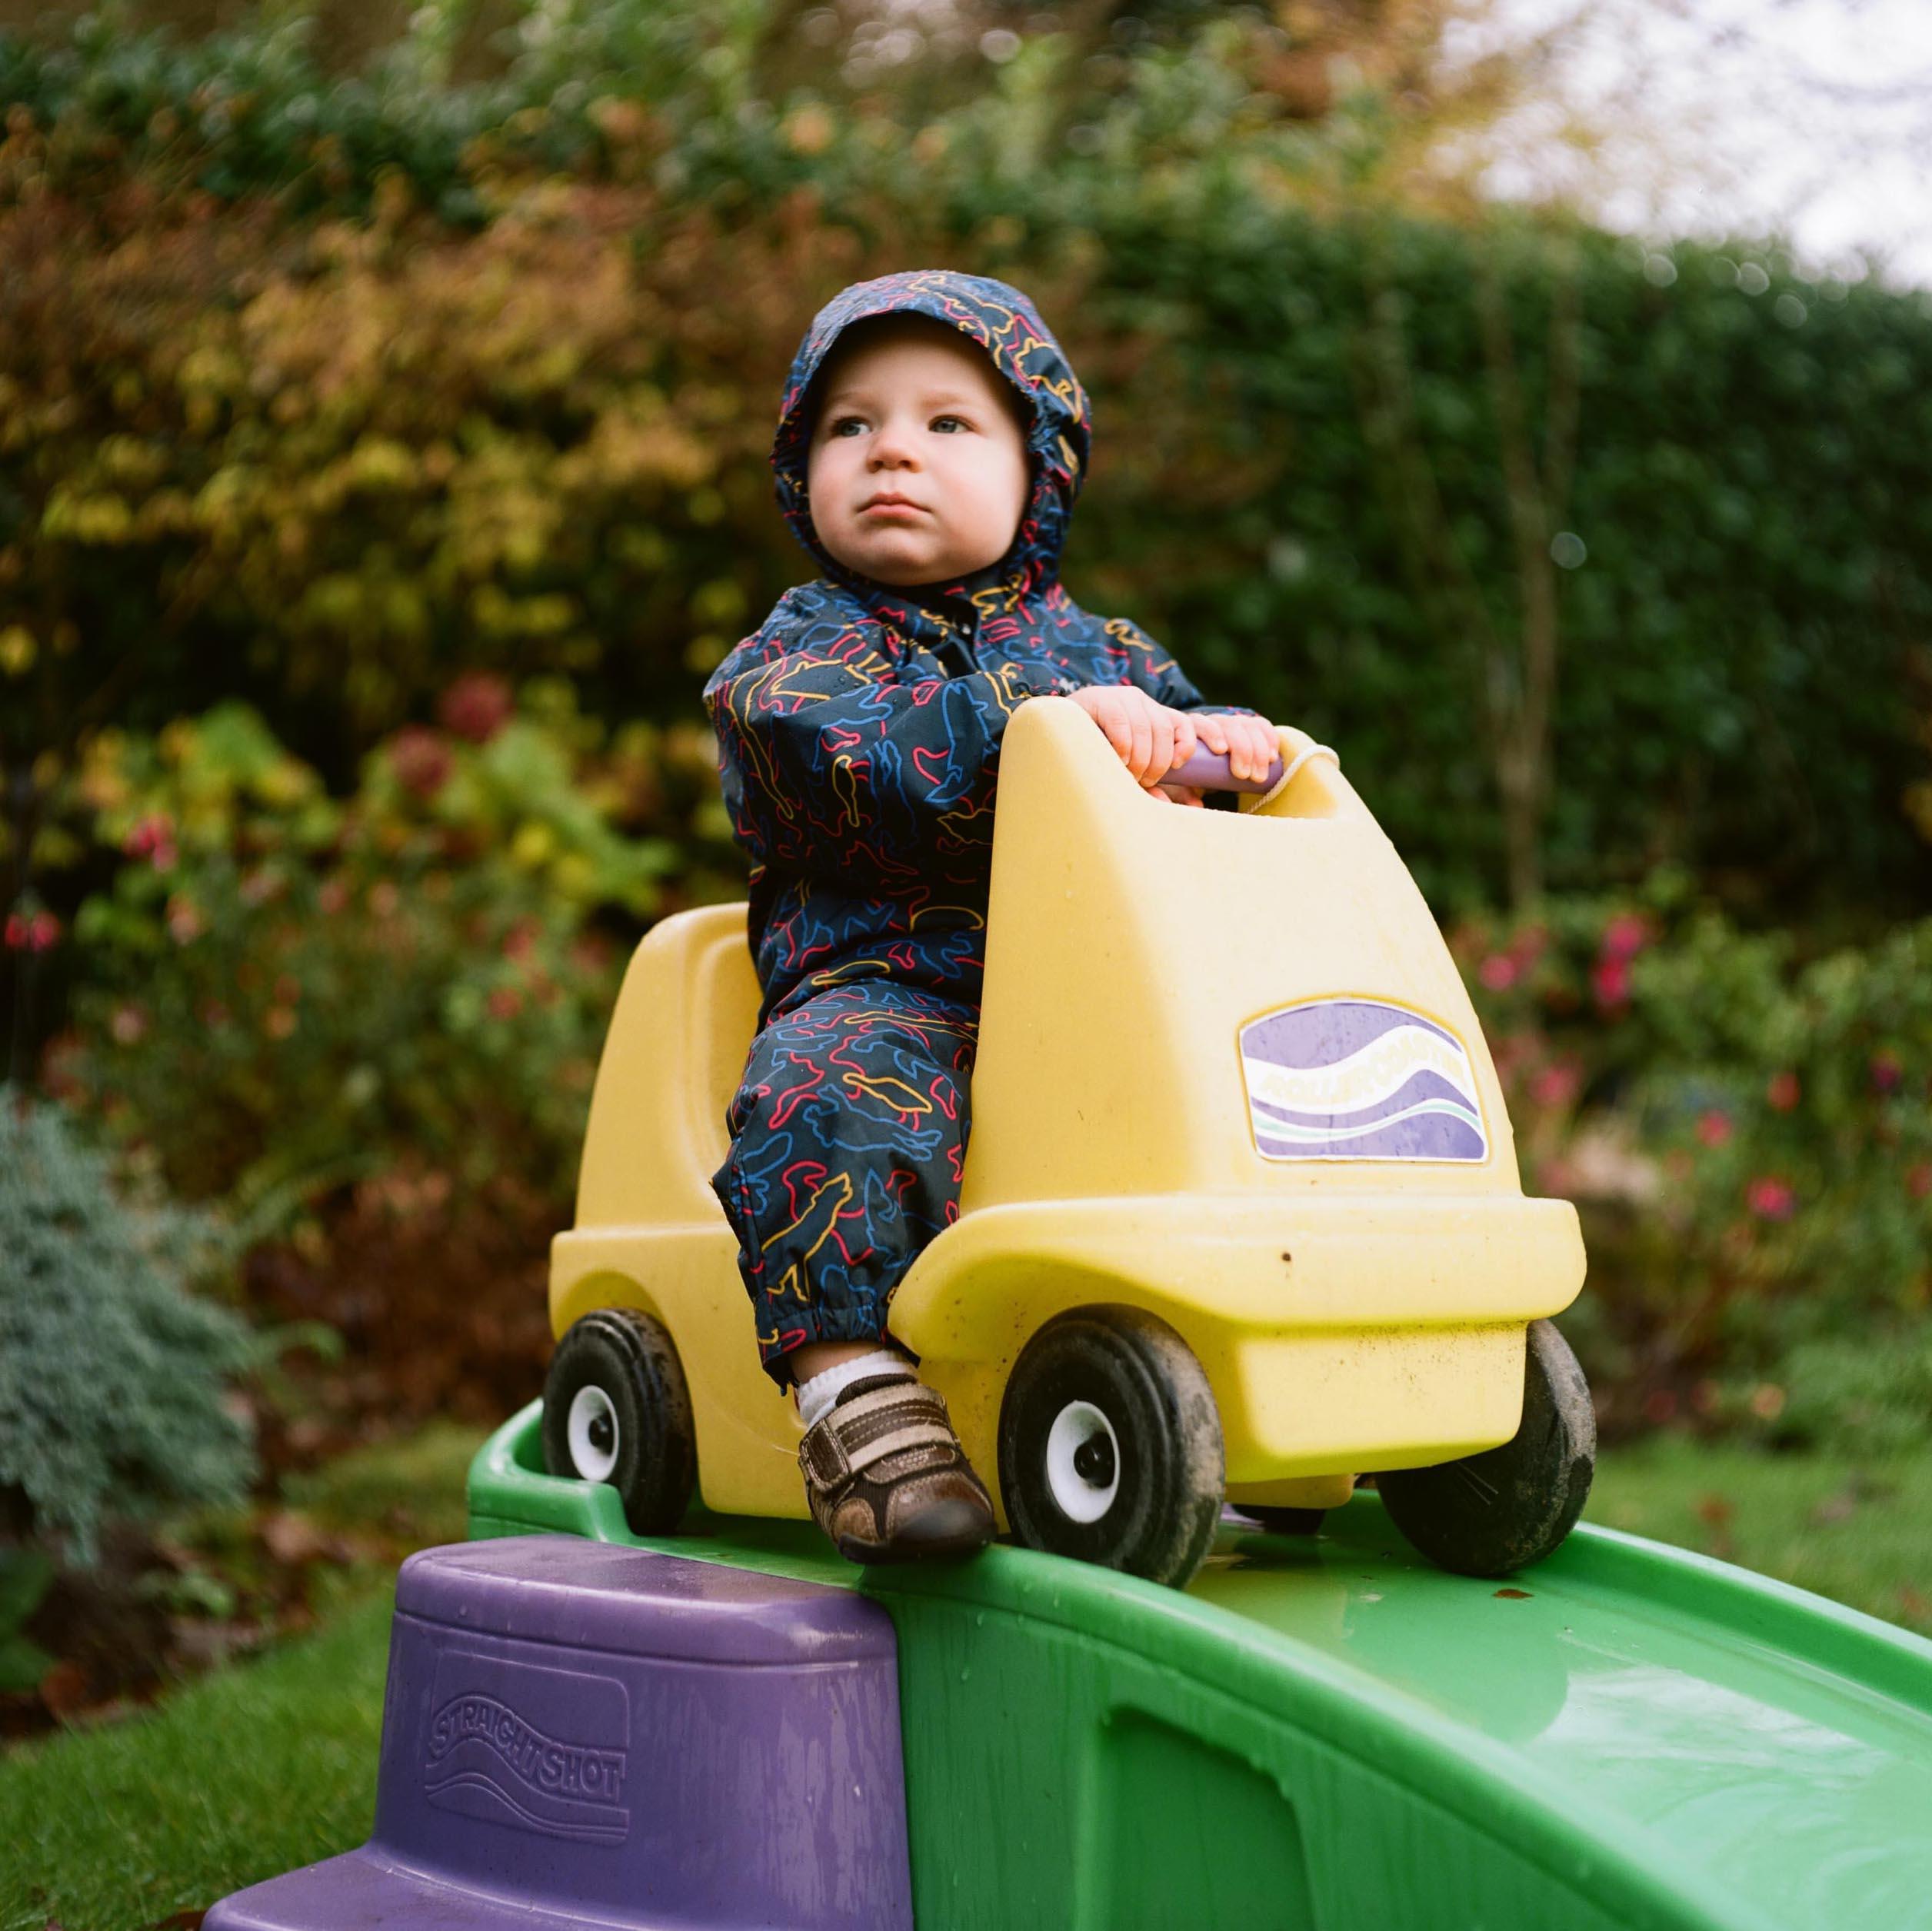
{"type": "Point", "coordinates": [1142, 755]}
{"type": "Point", "coordinates": [1184, 736]}
{"type": "Point", "coordinates": [1113, 721]}
{"type": "Point", "coordinates": [1160, 744]}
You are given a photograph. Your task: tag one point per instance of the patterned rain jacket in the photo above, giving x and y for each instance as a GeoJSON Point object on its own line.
{"type": "Point", "coordinates": [859, 735]}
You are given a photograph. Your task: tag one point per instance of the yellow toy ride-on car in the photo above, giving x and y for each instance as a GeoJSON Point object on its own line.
{"type": "Point", "coordinates": [1240, 1214]}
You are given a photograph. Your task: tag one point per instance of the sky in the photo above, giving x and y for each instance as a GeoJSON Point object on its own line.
{"type": "Point", "coordinates": [1810, 118]}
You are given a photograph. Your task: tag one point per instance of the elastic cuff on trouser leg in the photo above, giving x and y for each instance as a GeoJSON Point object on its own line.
{"type": "Point", "coordinates": [786, 1327]}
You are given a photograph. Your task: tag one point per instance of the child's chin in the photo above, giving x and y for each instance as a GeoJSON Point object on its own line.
{"type": "Point", "coordinates": [900, 569]}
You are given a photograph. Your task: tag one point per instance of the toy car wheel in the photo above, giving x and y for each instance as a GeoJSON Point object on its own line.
{"type": "Point", "coordinates": [1285, 1522]}
{"type": "Point", "coordinates": [1110, 1445]}
{"type": "Point", "coordinates": [616, 1409]}
{"type": "Point", "coordinates": [1493, 1513]}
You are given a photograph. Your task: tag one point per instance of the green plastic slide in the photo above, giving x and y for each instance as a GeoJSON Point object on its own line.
{"type": "Point", "coordinates": [1332, 1733]}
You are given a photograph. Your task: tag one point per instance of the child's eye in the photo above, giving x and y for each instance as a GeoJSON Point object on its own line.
{"type": "Point", "coordinates": [958, 422]}
{"type": "Point", "coordinates": [842, 424]}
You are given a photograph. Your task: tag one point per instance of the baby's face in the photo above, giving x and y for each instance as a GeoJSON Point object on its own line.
{"type": "Point", "coordinates": [918, 470]}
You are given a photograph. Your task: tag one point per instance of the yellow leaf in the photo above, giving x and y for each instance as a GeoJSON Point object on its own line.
{"type": "Point", "coordinates": [17, 650]}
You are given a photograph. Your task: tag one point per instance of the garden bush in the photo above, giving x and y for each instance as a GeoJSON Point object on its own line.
{"type": "Point", "coordinates": [1589, 558]}
{"type": "Point", "coordinates": [290, 992]}
{"type": "Point", "coordinates": [112, 1374]}
{"type": "Point", "coordinates": [1747, 1129]}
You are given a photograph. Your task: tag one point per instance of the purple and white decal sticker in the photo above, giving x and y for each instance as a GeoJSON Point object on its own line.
{"type": "Point", "coordinates": [1354, 1079]}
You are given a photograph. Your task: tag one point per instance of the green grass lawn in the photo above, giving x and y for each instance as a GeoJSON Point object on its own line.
{"type": "Point", "coordinates": [1861, 1533]}
{"type": "Point", "coordinates": [272, 1762]}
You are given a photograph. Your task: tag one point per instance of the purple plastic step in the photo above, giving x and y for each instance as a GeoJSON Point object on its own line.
{"type": "Point", "coordinates": [574, 1733]}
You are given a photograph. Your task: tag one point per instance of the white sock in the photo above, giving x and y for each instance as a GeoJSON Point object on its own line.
{"type": "Point", "coordinates": [817, 1393]}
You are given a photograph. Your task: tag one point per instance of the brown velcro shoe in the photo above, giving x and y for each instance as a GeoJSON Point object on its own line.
{"type": "Point", "coordinates": [887, 1478]}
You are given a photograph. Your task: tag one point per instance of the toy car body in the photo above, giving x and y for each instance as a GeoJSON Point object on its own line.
{"type": "Point", "coordinates": [1228, 1077]}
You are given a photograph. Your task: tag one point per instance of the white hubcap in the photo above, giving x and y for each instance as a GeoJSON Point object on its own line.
{"type": "Point", "coordinates": [593, 1434]}
{"type": "Point", "coordinates": [1083, 1462]}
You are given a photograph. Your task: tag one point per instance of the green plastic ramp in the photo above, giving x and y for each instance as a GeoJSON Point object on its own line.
{"type": "Point", "coordinates": [1332, 1734]}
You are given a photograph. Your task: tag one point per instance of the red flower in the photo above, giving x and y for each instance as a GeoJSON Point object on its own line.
{"type": "Point", "coordinates": [1783, 1091]}
{"type": "Point", "coordinates": [420, 760]}
{"type": "Point", "coordinates": [505, 1003]}
{"type": "Point", "coordinates": [476, 707]}
{"type": "Point", "coordinates": [1918, 1178]}
{"type": "Point", "coordinates": [1713, 1128]}
{"type": "Point", "coordinates": [1886, 1072]}
{"type": "Point", "coordinates": [32, 931]}
{"type": "Point", "coordinates": [1610, 979]}
{"type": "Point", "coordinates": [1771, 1199]}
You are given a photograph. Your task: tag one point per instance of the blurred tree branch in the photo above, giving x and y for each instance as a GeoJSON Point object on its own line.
{"type": "Point", "coordinates": [1515, 658]}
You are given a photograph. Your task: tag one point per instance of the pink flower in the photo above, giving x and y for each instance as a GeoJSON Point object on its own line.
{"type": "Point", "coordinates": [1771, 1199]}
{"type": "Point", "coordinates": [1558, 1085]}
{"type": "Point", "coordinates": [1610, 979]}
{"type": "Point", "coordinates": [1497, 972]}
{"type": "Point", "coordinates": [1886, 1072]}
{"type": "Point", "coordinates": [1625, 936]}
{"type": "Point", "coordinates": [420, 760]}
{"type": "Point", "coordinates": [1783, 1092]}
{"type": "Point", "coordinates": [153, 839]}
{"type": "Point", "coordinates": [1713, 1128]}
{"type": "Point", "coordinates": [476, 707]}
{"type": "Point", "coordinates": [128, 1024]}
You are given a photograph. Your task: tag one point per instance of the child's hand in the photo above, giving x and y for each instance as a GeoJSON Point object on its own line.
{"type": "Point", "coordinates": [1250, 744]}
{"type": "Point", "coordinates": [1150, 740]}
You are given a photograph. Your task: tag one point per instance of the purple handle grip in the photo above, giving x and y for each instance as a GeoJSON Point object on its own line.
{"type": "Point", "coordinates": [1207, 771]}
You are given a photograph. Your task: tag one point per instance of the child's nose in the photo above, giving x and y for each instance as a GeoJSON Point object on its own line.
{"type": "Point", "coordinates": [892, 448]}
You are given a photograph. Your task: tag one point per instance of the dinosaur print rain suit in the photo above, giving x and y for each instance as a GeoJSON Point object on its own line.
{"type": "Point", "coordinates": [859, 734]}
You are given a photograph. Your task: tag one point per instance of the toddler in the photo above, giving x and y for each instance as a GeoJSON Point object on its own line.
{"type": "Point", "coordinates": [931, 445]}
